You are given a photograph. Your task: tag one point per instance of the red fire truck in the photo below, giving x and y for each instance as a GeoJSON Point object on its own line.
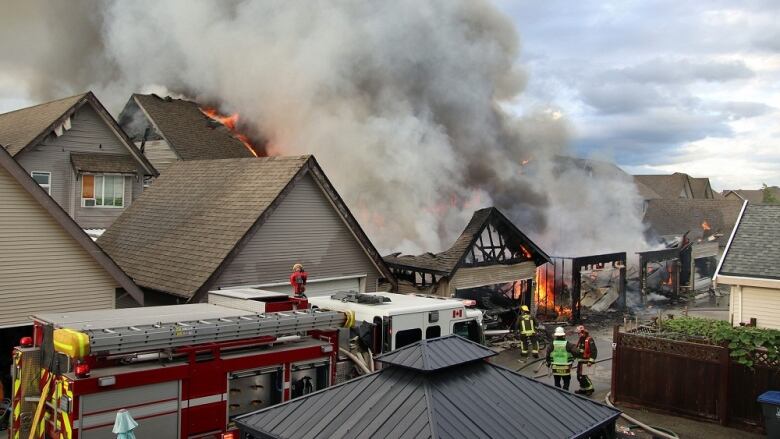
{"type": "Point", "coordinates": [182, 371]}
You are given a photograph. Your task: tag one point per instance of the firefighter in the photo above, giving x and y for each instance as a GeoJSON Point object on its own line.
{"type": "Point", "coordinates": [528, 333]}
{"type": "Point", "coordinates": [586, 356]}
{"type": "Point", "coordinates": [298, 280]}
{"type": "Point", "coordinates": [560, 358]}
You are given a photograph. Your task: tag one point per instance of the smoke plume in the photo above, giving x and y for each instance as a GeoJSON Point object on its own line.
{"type": "Point", "coordinates": [402, 102]}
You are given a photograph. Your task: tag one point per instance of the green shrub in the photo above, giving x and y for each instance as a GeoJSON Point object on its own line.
{"type": "Point", "coordinates": [742, 341]}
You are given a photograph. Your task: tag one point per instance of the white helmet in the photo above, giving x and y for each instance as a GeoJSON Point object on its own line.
{"type": "Point", "coordinates": [559, 332]}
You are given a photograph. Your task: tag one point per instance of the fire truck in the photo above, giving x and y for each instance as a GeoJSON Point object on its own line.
{"type": "Point", "coordinates": [185, 371]}
{"type": "Point", "coordinates": [182, 371]}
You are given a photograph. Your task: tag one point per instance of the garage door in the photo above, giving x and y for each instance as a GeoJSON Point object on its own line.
{"type": "Point", "coordinates": [320, 287]}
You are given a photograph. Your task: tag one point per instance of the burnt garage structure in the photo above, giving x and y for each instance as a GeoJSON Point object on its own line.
{"type": "Point", "coordinates": [492, 262]}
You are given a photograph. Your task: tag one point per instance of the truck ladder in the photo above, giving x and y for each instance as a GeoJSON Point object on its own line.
{"type": "Point", "coordinates": [122, 340]}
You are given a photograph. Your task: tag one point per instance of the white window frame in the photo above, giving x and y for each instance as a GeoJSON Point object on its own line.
{"type": "Point", "coordinates": [103, 191]}
{"type": "Point", "coordinates": [46, 187]}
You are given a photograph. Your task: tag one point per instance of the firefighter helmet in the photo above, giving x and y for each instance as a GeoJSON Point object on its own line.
{"type": "Point", "coordinates": [297, 266]}
{"type": "Point", "coordinates": [524, 308]}
{"type": "Point", "coordinates": [559, 332]}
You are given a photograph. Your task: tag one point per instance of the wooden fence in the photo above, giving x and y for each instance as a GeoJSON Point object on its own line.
{"type": "Point", "coordinates": [690, 379]}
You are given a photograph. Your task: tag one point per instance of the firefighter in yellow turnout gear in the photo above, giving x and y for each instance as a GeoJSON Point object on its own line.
{"type": "Point", "coordinates": [527, 328]}
{"type": "Point", "coordinates": [560, 358]}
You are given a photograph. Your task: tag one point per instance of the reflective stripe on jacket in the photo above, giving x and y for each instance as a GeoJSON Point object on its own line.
{"type": "Point", "coordinates": [527, 325]}
{"type": "Point", "coordinates": [561, 358]}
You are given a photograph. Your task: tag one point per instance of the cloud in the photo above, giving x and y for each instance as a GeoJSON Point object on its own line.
{"type": "Point", "coordinates": [683, 71]}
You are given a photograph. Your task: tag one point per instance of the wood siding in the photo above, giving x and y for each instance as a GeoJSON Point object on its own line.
{"type": "Point", "coordinates": [762, 304]}
{"type": "Point", "coordinates": [305, 228]}
{"type": "Point", "coordinates": [467, 277]}
{"type": "Point", "coordinates": [90, 134]}
{"type": "Point", "coordinates": [42, 269]}
{"type": "Point", "coordinates": [159, 153]}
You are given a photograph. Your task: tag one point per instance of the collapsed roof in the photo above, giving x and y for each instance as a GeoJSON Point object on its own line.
{"type": "Point", "coordinates": [449, 260]}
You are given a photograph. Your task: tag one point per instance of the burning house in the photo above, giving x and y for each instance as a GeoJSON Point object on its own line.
{"type": "Point", "coordinates": [694, 233]}
{"type": "Point", "coordinates": [168, 129]}
{"type": "Point", "coordinates": [492, 262]}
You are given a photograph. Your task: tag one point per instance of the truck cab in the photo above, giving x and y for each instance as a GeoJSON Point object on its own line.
{"type": "Point", "coordinates": [388, 321]}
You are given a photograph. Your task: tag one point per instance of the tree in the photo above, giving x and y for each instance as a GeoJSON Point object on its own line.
{"type": "Point", "coordinates": [768, 195]}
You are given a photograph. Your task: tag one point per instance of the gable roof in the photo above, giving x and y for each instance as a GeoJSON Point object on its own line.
{"type": "Point", "coordinates": [475, 400]}
{"type": "Point", "coordinates": [22, 128]}
{"type": "Point", "coordinates": [179, 234]}
{"type": "Point", "coordinates": [754, 196]}
{"type": "Point", "coordinates": [754, 251]}
{"type": "Point", "coordinates": [68, 224]}
{"type": "Point", "coordinates": [666, 186]}
{"type": "Point", "coordinates": [449, 260]}
{"type": "Point", "coordinates": [700, 187]}
{"type": "Point", "coordinates": [668, 217]}
{"type": "Point", "coordinates": [191, 134]}
{"type": "Point", "coordinates": [437, 353]}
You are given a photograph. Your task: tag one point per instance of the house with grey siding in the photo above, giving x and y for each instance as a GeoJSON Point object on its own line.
{"type": "Point", "coordinates": [79, 155]}
{"type": "Point", "coordinates": [490, 257]}
{"type": "Point", "coordinates": [214, 224]}
{"type": "Point", "coordinates": [167, 129]}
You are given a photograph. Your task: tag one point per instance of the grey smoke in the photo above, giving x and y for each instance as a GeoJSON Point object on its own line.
{"type": "Point", "coordinates": [402, 102]}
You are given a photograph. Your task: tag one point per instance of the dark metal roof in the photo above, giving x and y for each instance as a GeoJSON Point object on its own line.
{"type": "Point", "coordinates": [447, 262]}
{"type": "Point", "coordinates": [476, 400]}
{"type": "Point", "coordinates": [91, 162]}
{"type": "Point", "coordinates": [437, 353]}
{"type": "Point", "coordinates": [755, 249]}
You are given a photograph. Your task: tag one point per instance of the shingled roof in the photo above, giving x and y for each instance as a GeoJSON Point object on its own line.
{"type": "Point", "coordinates": [447, 262]}
{"type": "Point", "coordinates": [28, 126]}
{"type": "Point", "coordinates": [675, 217]}
{"type": "Point", "coordinates": [190, 221]}
{"type": "Point", "coordinates": [754, 196]}
{"type": "Point", "coordinates": [189, 132]}
{"type": "Point", "coordinates": [473, 399]}
{"type": "Point", "coordinates": [755, 249]}
{"type": "Point", "coordinates": [90, 162]}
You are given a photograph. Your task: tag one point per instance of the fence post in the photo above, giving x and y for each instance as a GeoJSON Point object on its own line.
{"type": "Point", "coordinates": [725, 385]}
{"type": "Point", "coordinates": [615, 361]}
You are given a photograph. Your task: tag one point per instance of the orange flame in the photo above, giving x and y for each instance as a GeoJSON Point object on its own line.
{"type": "Point", "coordinates": [525, 251]}
{"type": "Point", "coordinates": [230, 122]}
{"type": "Point", "coordinates": [706, 226]}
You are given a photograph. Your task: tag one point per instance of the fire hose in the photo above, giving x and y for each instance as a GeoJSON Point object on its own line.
{"type": "Point", "coordinates": [645, 427]}
{"type": "Point", "coordinates": [358, 362]}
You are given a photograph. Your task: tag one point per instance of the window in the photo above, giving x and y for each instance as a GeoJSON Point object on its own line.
{"type": "Point", "coordinates": [433, 332]}
{"type": "Point", "coordinates": [468, 329]}
{"type": "Point", "coordinates": [43, 179]}
{"type": "Point", "coordinates": [102, 190]}
{"type": "Point", "coordinates": [407, 337]}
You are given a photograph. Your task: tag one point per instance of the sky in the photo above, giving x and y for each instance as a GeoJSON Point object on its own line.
{"type": "Point", "coordinates": [660, 86]}
{"type": "Point", "coordinates": [656, 86]}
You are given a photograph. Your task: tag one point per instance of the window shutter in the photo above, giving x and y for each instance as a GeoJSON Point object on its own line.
{"type": "Point", "coordinates": [87, 186]}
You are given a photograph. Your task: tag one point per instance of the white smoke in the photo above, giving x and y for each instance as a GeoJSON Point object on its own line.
{"type": "Point", "coordinates": [401, 103]}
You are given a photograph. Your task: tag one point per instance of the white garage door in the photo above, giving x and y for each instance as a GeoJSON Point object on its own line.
{"type": "Point", "coordinates": [320, 287]}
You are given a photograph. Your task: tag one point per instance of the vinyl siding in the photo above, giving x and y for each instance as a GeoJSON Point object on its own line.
{"type": "Point", "coordinates": [468, 277]}
{"type": "Point", "coordinates": [305, 228]}
{"type": "Point", "coordinates": [42, 269]}
{"type": "Point", "coordinates": [88, 133]}
{"type": "Point", "coordinates": [763, 304]}
{"type": "Point", "coordinates": [159, 153]}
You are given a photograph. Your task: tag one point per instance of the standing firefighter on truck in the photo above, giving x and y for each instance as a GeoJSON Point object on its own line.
{"type": "Point", "coordinates": [528, 333]}
{"type": "Point", "coordinates": [586, 356]}
{"type": "Point", "coordinates": [298, 280]}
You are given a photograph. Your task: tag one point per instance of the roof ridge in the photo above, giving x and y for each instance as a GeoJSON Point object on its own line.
{"type": "Point", "coordinates": [46, 103]}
